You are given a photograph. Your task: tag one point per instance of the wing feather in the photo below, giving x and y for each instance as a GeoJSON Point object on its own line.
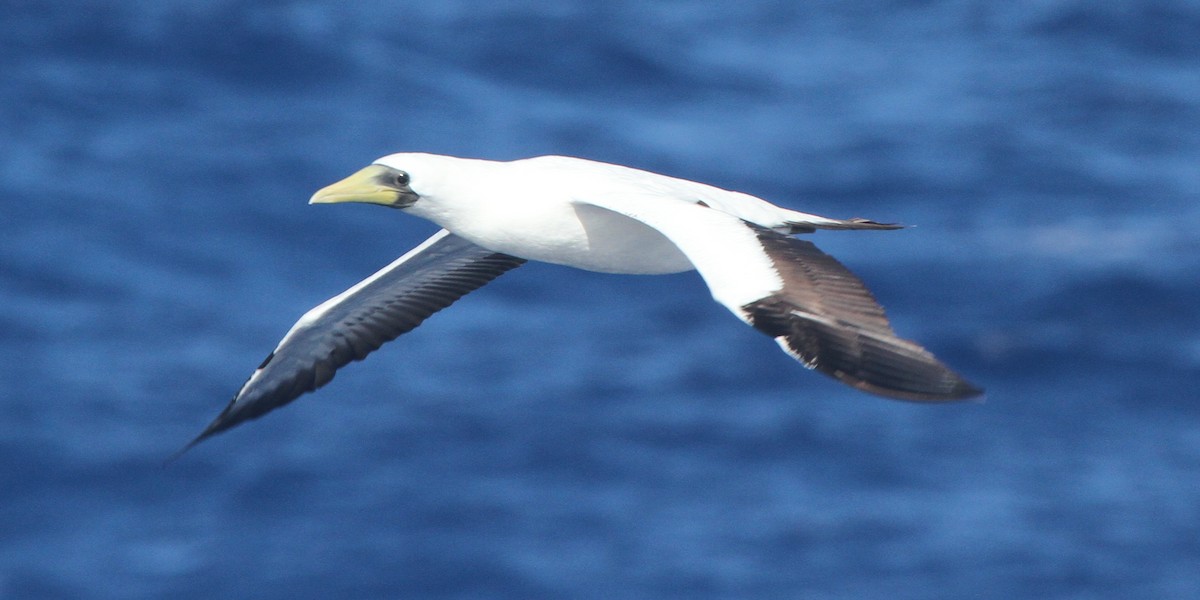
{"type": "Point", "coordinates": [816, 309]}
{"type": "Point", "coordinates": [358, 321]}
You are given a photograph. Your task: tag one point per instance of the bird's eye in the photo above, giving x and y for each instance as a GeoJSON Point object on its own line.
{"type": "Point", "coordinates": [401, 178]}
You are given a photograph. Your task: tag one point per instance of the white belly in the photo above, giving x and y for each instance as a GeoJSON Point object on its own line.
{"type": "Point", "coordinates": [586, 237]}
{"type": "Point", "coordinates": [613, 243]}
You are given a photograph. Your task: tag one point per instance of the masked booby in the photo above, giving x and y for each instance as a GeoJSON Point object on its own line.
{"type": "Point", "coordinates": [599, 217]}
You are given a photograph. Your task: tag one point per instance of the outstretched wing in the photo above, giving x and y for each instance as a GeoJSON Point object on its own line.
{"type": "Point", "coordinates": [826, 318]}
{"type": "Point", "coordinates": [358, 321]}
{"type": "Point", "coordinates": [814, 307]}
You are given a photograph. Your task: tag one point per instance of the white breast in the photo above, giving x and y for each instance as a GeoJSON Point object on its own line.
{"type": "Point", "coordinates": [503, 211]}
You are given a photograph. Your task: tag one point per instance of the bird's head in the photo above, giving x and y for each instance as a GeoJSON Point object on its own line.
{"type": "Point", "coordinates": [396, 181]}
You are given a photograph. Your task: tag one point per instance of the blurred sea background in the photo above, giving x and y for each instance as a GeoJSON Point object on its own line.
{"type": "Point", "coordinates": [563, 434]}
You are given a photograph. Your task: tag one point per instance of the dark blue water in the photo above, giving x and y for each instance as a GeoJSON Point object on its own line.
{"type": "Point", "coordinates": [563, 434]}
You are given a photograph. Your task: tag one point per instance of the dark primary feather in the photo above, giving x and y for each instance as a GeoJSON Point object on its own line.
{"type": "Point", "coordinates": [826, 318]}
{"type": "Point", "coordinates": [401, 296]}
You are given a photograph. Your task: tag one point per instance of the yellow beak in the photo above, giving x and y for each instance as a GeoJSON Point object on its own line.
{"type": "Point", "coordinates": [375, 184]}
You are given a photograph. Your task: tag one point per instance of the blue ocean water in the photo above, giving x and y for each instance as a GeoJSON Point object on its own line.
{"type": "Point", "coordinates": [562, 434]}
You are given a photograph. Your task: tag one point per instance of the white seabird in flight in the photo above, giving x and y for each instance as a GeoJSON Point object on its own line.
{"type": "Point", "coordinates": [598, 217]}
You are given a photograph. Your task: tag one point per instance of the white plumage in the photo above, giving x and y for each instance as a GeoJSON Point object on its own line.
{"type": "Point", "coordinates": [598, 217]}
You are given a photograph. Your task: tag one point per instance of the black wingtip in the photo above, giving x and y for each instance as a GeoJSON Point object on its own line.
{"type": "Point", "coordinates": [180, 452]}
{"type": "Point", "coordinates": [213, 428]}
{"type": "Point", "coordinates": [873, 360]}
{"type": "Point", "coordinates": [950, 387]}
{"type": "Point", "coordinates": [219, 424]}
{"type": "Point", "coordinates": [892, 367]}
